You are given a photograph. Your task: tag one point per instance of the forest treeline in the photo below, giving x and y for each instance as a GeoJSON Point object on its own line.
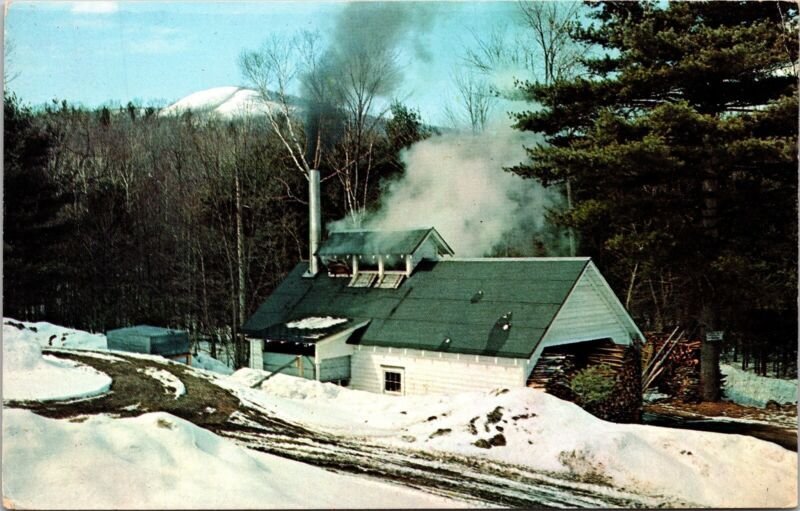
{"type": "Point", "coordinates": [120, 216]}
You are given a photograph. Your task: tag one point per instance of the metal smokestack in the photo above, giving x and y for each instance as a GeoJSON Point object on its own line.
{"type": "Point", "coordinates": [314, 223]}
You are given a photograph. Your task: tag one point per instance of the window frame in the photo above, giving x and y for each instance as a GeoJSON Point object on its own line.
{"type": "Point", "coordinates": [400, 371]}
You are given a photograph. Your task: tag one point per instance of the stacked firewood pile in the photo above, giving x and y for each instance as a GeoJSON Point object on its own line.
{"type": "Point", "coordinates": [612, 355]}
{"type": "Point", "coordinates": [556, 369]}
{"type": "Point", "coordinates": [625, 402]}
{"type": "Point", "coordinates": [553, 373]}
{"type": "Point", "coordinates": [671, 364]}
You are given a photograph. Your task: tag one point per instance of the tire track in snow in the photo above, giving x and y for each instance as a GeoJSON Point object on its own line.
{"type": "Point", "coordinates": [482, 481]}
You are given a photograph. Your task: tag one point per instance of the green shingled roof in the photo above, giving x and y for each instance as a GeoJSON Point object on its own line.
{"type": "Point", "coordinates": [460, 300]}
{"type": "Point", "coordinates": [364, 242]}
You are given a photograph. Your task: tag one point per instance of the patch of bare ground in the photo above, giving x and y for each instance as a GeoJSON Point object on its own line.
{"type": "Point", "coordinates": [133, 393]}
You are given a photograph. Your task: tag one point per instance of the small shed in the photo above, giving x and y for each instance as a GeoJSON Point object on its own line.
{"type": "Point", "coordinates": [152, 340]}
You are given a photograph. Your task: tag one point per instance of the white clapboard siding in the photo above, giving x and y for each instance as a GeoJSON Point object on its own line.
{"type": "Point", "coordinates": [336, 345]}
{"type": "Point", "coordinates": [426, 372]}
{"type": "Point", "coordinates": [590, 312]}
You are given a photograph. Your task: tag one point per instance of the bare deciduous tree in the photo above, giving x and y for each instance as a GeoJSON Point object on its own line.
{"type": "Point", "coordinates": [9, 75]}
{"type": "Point", "coordinates": [341, 88]}
{"type": "Point", "coordinates": [551, 24]}
{"type": "Point", "coordinates": [501, 49]}
{"type": "Point", "coordinates": [272, 70]}
{"type": "Point", "coordinates": [475, 100]}
{"type": "Point", "coordinates": [362, 78]}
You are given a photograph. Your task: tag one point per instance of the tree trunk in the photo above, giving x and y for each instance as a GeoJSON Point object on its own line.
{"type": "Point", "coordinates": [571, 231]}
{"type": "Point", "coordinates": [709, 354]}
{"type": "Point", "coordinates": [240, 266]}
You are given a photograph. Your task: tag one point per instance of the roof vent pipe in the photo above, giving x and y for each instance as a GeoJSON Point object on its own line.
{"type": "Point", "coordinates": [314, 223]}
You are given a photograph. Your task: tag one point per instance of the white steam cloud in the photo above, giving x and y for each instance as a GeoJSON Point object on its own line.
{"type": "Point", "coordinates": [457, 184]}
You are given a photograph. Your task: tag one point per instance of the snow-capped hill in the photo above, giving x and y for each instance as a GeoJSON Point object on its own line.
{"type": "Point", "coordinates": [224, 102]}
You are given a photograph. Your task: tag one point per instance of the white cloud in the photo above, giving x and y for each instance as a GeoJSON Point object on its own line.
{"type": "Point", "coordinates": [94, 7]}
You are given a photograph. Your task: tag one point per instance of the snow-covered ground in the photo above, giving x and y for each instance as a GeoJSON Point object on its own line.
{"type": "Point", "coordinates": [47, 334]}
{"type": "Point", "coordinates": [160, 461]}
{"type": "Point", "coordinates": [169, 381]}
{"type": "Point", "coordinates": [155, 460]}
{"type": "Point", "coordinates": [29, 375]}
{"type": "Point", "coordinates": [748, 389]}
{"type": "Point", "coordinates": [545, 433]}
{"type": "Point", "coordinates": [207, 362]}
{"type": "Point", "coordinates": [167, 462]}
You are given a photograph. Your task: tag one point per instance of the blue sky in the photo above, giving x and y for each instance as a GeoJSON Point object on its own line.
{"type": "Point", "coordinates": [94, 53]}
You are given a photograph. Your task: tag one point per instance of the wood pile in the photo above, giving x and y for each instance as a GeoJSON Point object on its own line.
{"type": "Point", "coordinates": [678, 373]}
{"type": "Point", "coordinates": [557, 366]}
{"type": "Point", "coordinates": [625, 402]}
{"type": "Point", "coordinates": [610, 354]}
{"type": "Point", "coordinates": [551, 367]}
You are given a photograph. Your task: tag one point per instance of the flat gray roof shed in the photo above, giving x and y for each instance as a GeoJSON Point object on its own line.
{"type": "Point", "coordinates": [149, 339]}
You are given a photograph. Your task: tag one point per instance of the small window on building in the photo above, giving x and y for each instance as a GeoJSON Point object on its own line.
{"type": "Point", "coordinates": [391, 281]}
{"type": "Point", "coordinates": [363, 279]}
{"type": "Point", "coordinates": [393, 381]}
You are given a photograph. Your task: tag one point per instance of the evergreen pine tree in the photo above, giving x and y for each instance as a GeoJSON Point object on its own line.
{"type": "Point", "coordinates": [680, 147]}
{"type": "Point", "coordinates": [33, 224]}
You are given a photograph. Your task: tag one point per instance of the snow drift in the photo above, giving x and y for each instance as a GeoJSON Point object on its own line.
{"type": "Point", "coordinates": [746, 388]}
{"type": "Point", "coordinates": [545, 433]}
{"type": "Point", "coordinates": [29, 375]}
{"type": "Point", "coordinates": [158, 460]}
{"type": "Point", "coordinates": [48, 334]}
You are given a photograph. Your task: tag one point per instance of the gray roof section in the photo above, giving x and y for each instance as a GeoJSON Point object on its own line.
{"type": "Point", "coordinates": [365, 242]}
{"type": "Point", "coordinates": [460, 300]}
{"type": "Point", "coordinates": [149, 339]}
{"type": "Point", "coordinates": [145, 331]}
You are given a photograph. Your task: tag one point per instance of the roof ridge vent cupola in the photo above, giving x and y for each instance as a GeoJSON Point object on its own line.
{"type": "Point", "coordinates": [380, 258]}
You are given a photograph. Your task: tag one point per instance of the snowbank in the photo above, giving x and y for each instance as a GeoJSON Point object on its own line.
{"type": "Point", "coordinates": [48, 334]}
{"type": "Point", "coordinates": [542, 432]}
{"type": "Point", "coordinates": [746, 388]}
{"type": "Point", "coordinates": [158, 460]}
{"type": "Point", "coordinates": [207, 362]}
{"type": "Point", "coordinates": [28, 375]}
